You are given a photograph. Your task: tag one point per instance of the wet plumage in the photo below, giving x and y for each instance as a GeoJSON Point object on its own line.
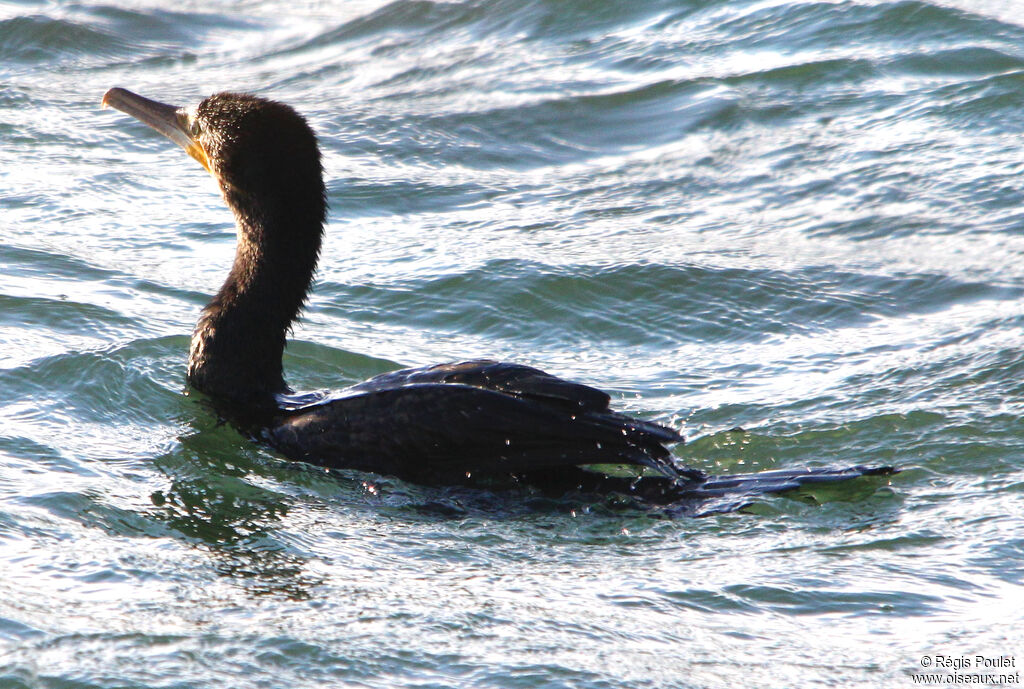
{"type": "Point", "coordinates": [452, 423]}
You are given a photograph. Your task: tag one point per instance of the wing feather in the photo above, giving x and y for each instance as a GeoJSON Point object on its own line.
{"type": "Point", "coordinates": [440, 431]}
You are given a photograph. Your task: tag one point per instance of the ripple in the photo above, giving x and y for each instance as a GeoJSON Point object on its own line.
{"type": "Point", "coordinates": [39, 38]}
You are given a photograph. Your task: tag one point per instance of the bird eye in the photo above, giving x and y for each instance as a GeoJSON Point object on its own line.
{"type": "Point", "coordinates": [195, 129]}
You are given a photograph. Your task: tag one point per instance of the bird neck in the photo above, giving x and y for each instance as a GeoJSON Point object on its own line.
{"type": "Point", "coordinates": [239, 340]}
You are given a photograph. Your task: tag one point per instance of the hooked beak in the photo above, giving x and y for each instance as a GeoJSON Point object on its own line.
{"type": "Point", "coordinates": [170, 121]}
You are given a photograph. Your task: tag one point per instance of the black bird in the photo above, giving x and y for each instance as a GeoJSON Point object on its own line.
{"type": "Point", "coordinates": [446, 424]}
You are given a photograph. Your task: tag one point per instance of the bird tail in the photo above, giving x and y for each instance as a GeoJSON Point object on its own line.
{"type": "Point", "coordinates": [698, 496]}
{"type": "Point", "coordinates": [732, 492]}
{"type": "Point", "coordinates": [780, 480]}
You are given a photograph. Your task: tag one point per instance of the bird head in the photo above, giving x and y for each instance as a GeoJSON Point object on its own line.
{"type": "Point", "coordinates": [261, 152]}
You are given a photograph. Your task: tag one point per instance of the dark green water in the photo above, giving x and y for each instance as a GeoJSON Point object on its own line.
{"type": "Point", "coordinates": [802, 218]}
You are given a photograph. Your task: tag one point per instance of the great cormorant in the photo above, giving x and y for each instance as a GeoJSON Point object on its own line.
{"type": "Point", "coordinates": [450, 423]}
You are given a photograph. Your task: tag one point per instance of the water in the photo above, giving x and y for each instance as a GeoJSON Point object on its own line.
{"type": "Point", "coordinates": [802, 218]}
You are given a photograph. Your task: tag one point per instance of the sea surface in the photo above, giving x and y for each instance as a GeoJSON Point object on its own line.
{"type": "Point", "coordinates": [804, 219]}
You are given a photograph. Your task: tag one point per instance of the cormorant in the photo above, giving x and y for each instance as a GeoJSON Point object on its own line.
{"type": "Point", "coordinates": [444, 424]}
